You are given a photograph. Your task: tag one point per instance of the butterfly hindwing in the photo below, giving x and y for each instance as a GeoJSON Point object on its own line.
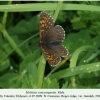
{"type": "Point", "coordinates": [59, 49]}
{"type": "Point", "coordinates": [51, 56]}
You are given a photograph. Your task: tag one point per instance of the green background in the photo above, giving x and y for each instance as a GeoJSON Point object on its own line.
{"type": "Point", "coordinates": [22, 64]}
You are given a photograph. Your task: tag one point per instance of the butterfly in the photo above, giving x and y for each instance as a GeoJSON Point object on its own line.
{"type": "Point", "coordinates": [51, 38]}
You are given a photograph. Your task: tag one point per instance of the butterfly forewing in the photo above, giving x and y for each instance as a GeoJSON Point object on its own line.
{"type": "Point", "coordinates": [46, 22]}
{"type": "Point", "coordinates": [56, 33]}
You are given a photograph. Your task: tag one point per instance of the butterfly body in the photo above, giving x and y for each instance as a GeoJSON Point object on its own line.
{"type": "Point", "coordinates": [52, 43]}
{"type": "Point", "coordinates": [51, 38]}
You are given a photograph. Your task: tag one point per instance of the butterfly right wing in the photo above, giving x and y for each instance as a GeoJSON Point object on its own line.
{"type": "Point", "coordinates": [46, 22]}
{"type": "Point", "coordinates": [51, 56]}
{"type": "Point", "coordinates": [55, 34]}
{"type": "Point", "coordinates": [60, 50]}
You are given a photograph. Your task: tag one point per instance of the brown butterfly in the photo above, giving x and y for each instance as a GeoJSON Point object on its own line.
{"type": "Point", "coordinates": [51, 38]}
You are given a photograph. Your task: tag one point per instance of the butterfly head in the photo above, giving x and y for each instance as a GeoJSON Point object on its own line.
{"type": "Point", "coordinates": [39, 44]}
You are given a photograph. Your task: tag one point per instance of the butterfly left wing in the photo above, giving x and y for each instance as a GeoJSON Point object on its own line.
{"type": "Point", "coordinates": [46, 22]}
{"type": "Point", "coordinates": [51, 56]}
